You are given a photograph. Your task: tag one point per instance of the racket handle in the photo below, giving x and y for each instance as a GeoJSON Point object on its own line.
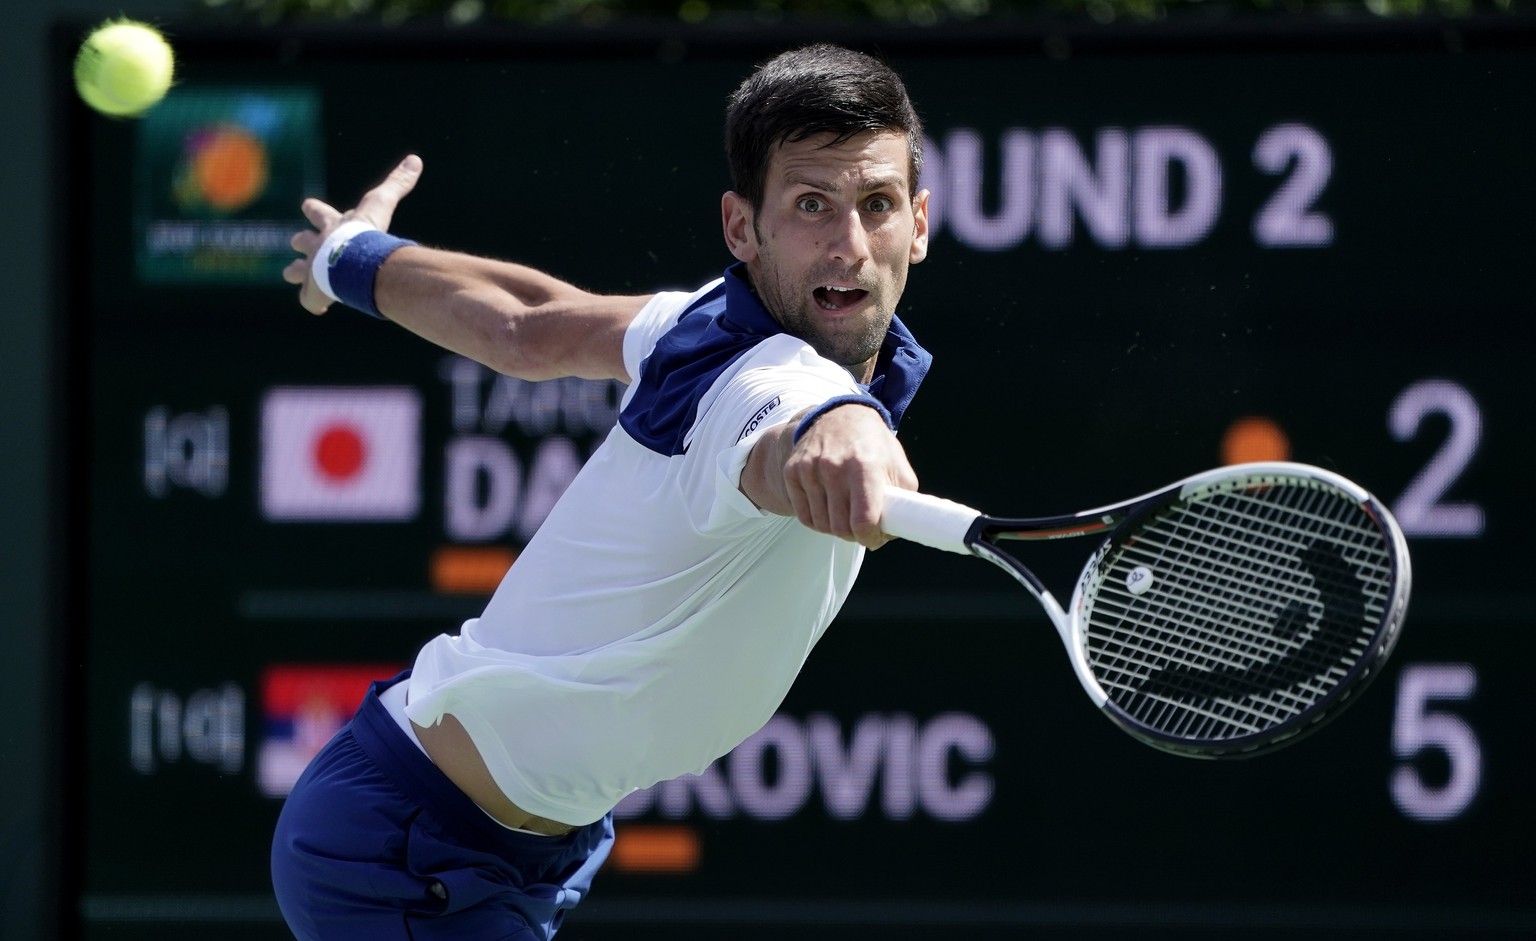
{"type": "Point", "coordinates": [932, 521]}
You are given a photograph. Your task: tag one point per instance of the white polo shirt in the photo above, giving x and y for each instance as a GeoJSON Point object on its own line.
{"type": "Point", "coordinates": [657, 618]}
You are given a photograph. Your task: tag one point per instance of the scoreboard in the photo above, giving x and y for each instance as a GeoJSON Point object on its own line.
{"type": "Point", "coordinates": [1154, 251]}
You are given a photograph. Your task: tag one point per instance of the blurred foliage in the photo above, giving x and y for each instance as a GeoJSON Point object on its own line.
{"type": "Point", "coordinates": [909, 12]}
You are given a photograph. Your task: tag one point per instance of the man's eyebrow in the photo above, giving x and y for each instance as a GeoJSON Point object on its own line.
{"type": "Point", "coordinates": [885, 182]}
{"type": "Point", "coordinates": [866, 186]}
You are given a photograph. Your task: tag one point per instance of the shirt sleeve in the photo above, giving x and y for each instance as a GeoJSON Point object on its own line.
{"type": "Point", "coordinates": [659, 315]}
{"type": "Point", "coordinates": [779, 380]}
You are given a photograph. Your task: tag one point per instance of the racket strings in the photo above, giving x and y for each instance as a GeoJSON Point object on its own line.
{"type": "Point", "coordinates": [1255, 604]}
{"type": "Point", "coordinates": [1229, 584]}
{"type": "Point", "coordinates": [1199, 668]}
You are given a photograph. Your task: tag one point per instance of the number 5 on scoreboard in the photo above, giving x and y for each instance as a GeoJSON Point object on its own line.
{"type": "Point", "coordinates": [1418, 728]}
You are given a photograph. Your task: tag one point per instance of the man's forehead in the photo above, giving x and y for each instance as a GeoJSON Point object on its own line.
{"type": "Point", "coordinates": [868, 159]}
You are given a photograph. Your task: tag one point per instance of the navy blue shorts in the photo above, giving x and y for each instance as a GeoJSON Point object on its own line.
{"type": "Point", "coordinates": [376, 843]}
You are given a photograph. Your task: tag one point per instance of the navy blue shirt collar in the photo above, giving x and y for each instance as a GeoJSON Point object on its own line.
{"type": "Point", "coordinates": [899, 368]}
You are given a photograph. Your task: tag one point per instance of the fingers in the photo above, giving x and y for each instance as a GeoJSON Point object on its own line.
{"type": "Point", "coordinates": [852, 512]}
{"type": "Point", "coordinates": [864, 514]}
{"type": "Point", "coordinates": [296, 271]}
{"type": "Point", "coordinates": [378, 204]}
{"type": "Point", "coordinates": [319, 214]}
{"type": "Point", "coordinates": [837, 475]}
{"type": "Point", "coordinates": [376, 207]}
{"type": "Point", "coordinates": [813, 507]}
{"type": "Point", "coordinates": [306, 243]}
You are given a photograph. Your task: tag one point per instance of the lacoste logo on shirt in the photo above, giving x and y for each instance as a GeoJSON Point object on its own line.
{"type": "Point", "coordinates": [757, 419]}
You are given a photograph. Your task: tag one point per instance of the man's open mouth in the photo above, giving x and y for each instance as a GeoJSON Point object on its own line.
{"type": "Point", "coordinates": [838, 298]}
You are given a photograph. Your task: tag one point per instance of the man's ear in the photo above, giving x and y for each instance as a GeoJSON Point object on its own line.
{"type": "Point", "coordinates": [920, 228]}
{"type": "Point", "coordinates": [736, 220]}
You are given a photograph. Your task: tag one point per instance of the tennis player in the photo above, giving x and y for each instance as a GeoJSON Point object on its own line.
{"type": "Point", "coordinates": [661, 612]}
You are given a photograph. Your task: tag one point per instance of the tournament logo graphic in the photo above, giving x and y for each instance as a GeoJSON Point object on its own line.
{"type": "Point", "coordinates": [223, 168]}
{"type": "Point", "coordinates": [217, 174]}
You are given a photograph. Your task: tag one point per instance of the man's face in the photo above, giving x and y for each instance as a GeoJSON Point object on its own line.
{"type": "Point", "coordinates": [829, 250]}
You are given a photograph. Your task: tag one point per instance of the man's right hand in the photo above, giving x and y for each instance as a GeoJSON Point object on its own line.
{"type": "Point", "coordinates": [834, 478]}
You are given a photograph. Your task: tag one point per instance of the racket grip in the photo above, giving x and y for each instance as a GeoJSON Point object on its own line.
{"type": "Point", "coordinates": [931, 521]}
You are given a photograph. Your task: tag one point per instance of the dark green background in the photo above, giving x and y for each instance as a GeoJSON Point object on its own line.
{"type": "Point", "coordinates": [1063, 379]}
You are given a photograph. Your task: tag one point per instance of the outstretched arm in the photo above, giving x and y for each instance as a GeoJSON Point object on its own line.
{"type": "Point", "coordinates": [514, 319]}
{"type": "Point", "coordinates": [834, 478]}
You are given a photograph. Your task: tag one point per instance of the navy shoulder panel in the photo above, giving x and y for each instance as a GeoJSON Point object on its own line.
{"type": "Point", "coordinates": [716, 331]}
{"type": "Point", "coordinates": [709, 337]}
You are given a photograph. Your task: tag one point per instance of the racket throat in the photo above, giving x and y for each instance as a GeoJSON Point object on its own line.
{"type": "Point", "coordinates": [1031, 583]}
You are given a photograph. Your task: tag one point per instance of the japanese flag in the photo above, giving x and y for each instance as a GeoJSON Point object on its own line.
{"type": "Point", "coordinates": [339, 453]}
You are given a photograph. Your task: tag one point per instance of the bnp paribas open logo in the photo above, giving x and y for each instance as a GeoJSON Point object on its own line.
{"type": "Point", "coordinates": [223, 169]}
{"type": "Point", "coordinates": [220, 171]}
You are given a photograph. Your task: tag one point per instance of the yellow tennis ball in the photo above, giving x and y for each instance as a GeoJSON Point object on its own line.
{"type": "Point", "coordinates": [123, 68]}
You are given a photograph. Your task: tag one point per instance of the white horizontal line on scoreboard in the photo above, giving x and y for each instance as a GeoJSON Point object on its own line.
{"type": "Point", "coordinates": [374, 605]}
{"type": "Point", "coordinates": [866, 604]}
{"type": "Point", "coordinates": [114, 908]}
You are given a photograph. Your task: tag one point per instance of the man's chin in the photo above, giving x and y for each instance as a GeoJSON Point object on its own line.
{"type": "Point", "coordinates": [845, 353]}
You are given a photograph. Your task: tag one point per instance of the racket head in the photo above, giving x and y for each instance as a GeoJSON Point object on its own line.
{"type": "Point", "coordinates": [1240, 610]}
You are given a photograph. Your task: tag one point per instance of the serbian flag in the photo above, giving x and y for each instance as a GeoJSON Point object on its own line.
{"type": "Point", "coordinates": [341, 453]}
{"type": "Point", "coordinates": [303, 705]}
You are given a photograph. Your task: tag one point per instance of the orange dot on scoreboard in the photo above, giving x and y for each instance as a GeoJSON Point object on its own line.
{"type": "Point", "coordinates": [1254, 438]}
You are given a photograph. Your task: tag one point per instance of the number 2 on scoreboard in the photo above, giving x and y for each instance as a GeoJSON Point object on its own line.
{"type": "Point", "coordinates": [1422, 510]}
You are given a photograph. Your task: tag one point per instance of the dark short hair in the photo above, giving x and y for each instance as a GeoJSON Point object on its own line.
{"type": "Point", "coordinates": [814, 90]}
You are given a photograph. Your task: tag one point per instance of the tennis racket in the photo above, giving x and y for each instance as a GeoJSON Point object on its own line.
{"type": "Point", "coordinates": [1224, 616]}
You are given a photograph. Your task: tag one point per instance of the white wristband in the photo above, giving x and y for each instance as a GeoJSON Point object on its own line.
{"type": "Point", "coordinates": [331, 249]}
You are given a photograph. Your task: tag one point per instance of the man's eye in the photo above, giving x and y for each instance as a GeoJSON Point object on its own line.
{"type": "Point", "coordinates": [881, 204]}
{"type": "Point", "coordinates": [812, 204]}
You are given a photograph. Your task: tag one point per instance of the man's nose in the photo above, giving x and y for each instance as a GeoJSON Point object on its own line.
{"type": "Point", "coordinates": [850, 240]}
